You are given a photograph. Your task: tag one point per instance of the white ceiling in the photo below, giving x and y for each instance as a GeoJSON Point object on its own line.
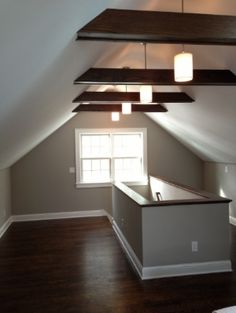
{"type": "Point", "coordinates": [39, 59]}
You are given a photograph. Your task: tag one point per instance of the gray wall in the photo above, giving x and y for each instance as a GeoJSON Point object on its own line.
{"type": "Point", "coordinates": [169, 230]}
{"type": "Point", "coordinates": [128, 216]}
{"type": "Point", "coordinates": [5, 196]}
{"type": "Point", "coordinates": [220, 178]}
{"type": "Point", "coordinates": [41, 181]}
{"type": "Point", "coordinates": [163, 235]}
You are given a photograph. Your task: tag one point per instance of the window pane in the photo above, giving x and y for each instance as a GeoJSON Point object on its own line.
{"type": "Point", "coordinates": [86, 165]}
{"type": "Point", "coordinates": [85, 140]}
{"type": "Point", "coordinates": [95, 165]}
{"type": "Point", "coordinates": [105, 164]}
{"type": "Point", "coordinates": [95, 140]}
{"type": "Point", "coordinates": [127, 145]}
{"type": "Point", "coordinates": [95, 145]}
{"type": "Point", "coordinates": [97, 170]}
{"type": "Point", "coordinates": [87, 176]}
{"type": "Point", "coordinates": [128, 169]}
{"type": "Point", "coordinates": [118, 164]}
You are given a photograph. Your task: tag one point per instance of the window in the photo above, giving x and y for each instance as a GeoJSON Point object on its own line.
{"type": "Point", "coordinates": [106, 155]}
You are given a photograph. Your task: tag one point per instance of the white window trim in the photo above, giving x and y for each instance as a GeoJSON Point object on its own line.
{"type": "Point", "coordinates": [92, 131]}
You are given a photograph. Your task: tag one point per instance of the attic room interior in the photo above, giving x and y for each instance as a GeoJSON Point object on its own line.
{"type": "Point", "coordinates": [117, 156]}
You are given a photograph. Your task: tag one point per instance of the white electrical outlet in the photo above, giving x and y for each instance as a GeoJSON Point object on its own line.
{"type": "Point", "coordinates": [226, 169]}
{"type": "Point", "coordinates": [194, 246]}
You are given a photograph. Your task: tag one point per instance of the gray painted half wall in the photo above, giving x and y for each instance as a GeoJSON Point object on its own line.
{"type": "Point", "coordinates": [41, 182]}
{"type": "Point", "coordinates": [220, 178]}
{"type": "Point", "coordinates": [5, 196]}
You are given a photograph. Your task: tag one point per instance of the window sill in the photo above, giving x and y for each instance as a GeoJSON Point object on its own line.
{"type": "Point", "coordinates": [93, 185]}
{"type": "Point", "coordinates": [109, 184]}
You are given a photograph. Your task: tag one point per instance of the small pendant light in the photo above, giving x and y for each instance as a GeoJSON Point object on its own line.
{"type": "Point", "coordinates": [126, 106]}
{"type": "Point", "coordinates": [145, 90]}
{"type": "Point", "coordinates": [115, 116]}
{"type": "Point", "coordinates": [183, 64]}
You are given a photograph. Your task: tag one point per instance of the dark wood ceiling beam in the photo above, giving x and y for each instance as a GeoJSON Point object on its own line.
{"type": "Point", "coordinates": [161, 27]}
{"type": "Point", "coordinates": [117, 108]}
{"type": "Point", "coordinates": [117, 76]}
{"type": "Point", "coordinates": [158, 97]}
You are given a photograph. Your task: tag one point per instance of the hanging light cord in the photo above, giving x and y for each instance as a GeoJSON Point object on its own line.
{"type": "Point", "coordinates": [145, 55]}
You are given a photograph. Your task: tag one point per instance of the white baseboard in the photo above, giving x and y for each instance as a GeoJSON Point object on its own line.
{"type": "Point", "coordinates": [170, 270]}
{"type": "Point", "coordinates": [61, 215]}
{"type": "Point", "coordinates": [232, 220]}
{"type": "Point", "coordinates": [52, 216]}
{"type": "Point", "coordinates": [186, 269]}
{"type": "Point", "coordinates": [129, 251]}
{"type": "Point", "coordinates": [5, 226]}
{"type": "Point", "coordinates": [110, 218]}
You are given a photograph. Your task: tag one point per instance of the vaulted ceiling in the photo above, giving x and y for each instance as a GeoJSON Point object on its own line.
{"type": "Point", "coordinates": [39, 60]}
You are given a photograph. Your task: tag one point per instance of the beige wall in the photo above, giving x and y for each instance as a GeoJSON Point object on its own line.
{"type": "Point", "coordinates": [41, 181]}
{"type": "Point", "coordinates": [220, 178]}
{"type": "Point", "coordinates": [5, 196]}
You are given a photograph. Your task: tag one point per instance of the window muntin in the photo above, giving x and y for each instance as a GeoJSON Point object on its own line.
{"type": "Point", "coordinates": [105, 155]}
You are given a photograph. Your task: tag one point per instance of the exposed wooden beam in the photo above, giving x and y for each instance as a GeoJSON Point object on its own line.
{"type": "Point", "coordinates": [158, 97]}
{"type": "Point", "coordinates": [117, 76]}
{"type": "Point", "coordinates": [117, 108]}
{"type": "Point", "coordinates": [160, 27]}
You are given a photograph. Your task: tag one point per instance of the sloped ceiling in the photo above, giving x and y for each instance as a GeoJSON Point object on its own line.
{"type": "Point", "coordinates": [39, 59]}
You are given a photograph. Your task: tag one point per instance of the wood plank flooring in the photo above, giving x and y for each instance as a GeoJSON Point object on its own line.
{"type": "Point", "coordinates": [78, 266]}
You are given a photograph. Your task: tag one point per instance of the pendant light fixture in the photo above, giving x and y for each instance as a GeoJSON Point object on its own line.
{"type": "Point", "coordinates": [145, 90]}
{"type": "Point", "coordinates": [183, 63]}
{"type": "Point", "coordinates": [115, 116]}
{"type": "Point", "coordinates": [126, 106]}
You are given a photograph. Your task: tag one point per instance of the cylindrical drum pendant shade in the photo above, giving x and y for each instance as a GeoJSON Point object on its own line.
{"type": "Point", "coordinates": [183, 65]}
{"type": "Point", "coordinates": [126, 108]}
{"type": "Point", "coordinates": [115, 116]}
{"type": "Point", "coordinates": [146, 94]}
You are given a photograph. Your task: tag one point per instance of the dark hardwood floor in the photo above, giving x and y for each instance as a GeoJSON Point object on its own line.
{"type": "Point", "coordinates": [77, 265]}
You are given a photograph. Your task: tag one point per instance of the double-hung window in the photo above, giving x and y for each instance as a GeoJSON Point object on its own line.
{"type": "Point", "coordinates": [106, 155]}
